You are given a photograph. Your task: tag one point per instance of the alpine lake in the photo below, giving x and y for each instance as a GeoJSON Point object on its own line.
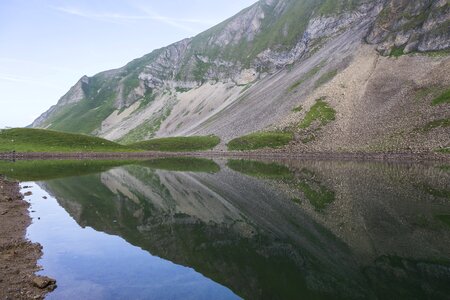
{"type": "Point", "coordinates": [197, 228]}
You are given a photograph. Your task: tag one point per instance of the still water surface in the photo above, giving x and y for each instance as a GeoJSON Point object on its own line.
{"type": "Point", "coordinates": [224, 229]}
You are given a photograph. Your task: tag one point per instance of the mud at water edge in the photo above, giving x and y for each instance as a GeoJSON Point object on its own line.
{"type": "Point", "coordinates": [18, 256]}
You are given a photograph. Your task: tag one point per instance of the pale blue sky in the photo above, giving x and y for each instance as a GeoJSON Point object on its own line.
{"type": "Point", "coordinates": [46, 46]}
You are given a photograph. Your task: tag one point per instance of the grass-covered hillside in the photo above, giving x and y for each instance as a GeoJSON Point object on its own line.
{"type": "Point", "coordinates": [40, 140]}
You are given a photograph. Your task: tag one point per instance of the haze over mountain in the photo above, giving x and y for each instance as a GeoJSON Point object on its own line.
{"type": "Point", "coordinates": [360, 75]}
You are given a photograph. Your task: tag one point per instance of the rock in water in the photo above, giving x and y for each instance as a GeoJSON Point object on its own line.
{"type": "Point", "coordinates": [43, 282]}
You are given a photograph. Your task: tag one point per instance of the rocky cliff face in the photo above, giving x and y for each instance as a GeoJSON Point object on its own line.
{"type": "Point", "coordinates": [205, 84]}
{"type": "Point", "coordinates": [412, 26]}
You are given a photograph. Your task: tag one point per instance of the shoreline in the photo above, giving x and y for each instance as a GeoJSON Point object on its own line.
{"type": "Point", "coordinates": [357, 156]}
{"type": "Point", "coordinates": [18, 256]}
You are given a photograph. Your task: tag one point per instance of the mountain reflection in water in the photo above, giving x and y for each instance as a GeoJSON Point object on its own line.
{"type": "Point", "coordinates": [280, 230]}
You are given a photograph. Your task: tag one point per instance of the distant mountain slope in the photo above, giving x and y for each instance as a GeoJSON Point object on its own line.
{"type": "Point", "coordinates": [39, 140]}
{"type": "Point", "coordinates": [248, 73]}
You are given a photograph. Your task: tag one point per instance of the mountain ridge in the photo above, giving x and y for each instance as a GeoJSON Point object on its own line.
{"type": "Point", "coordinates": [186, 87]}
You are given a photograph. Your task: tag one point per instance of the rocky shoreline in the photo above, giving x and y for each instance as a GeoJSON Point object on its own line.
{"type": "Point", "coordinates": [274, 153]}
{"type": "Point", "coordinates": [18, 256]}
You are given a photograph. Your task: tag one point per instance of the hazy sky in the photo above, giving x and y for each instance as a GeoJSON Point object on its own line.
{"type": "Point", "coordinates": [46, 46]}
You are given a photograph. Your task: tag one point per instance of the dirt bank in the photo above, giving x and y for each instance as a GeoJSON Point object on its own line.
{"type": "Point", "coordinates": [18, 256]}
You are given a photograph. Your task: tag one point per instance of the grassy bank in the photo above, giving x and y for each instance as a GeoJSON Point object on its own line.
{"type": "Point", "coordinates": [41, 140]}
{"type": "Point", "coordinates": [178, 144]}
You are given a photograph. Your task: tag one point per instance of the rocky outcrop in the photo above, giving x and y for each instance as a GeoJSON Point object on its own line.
{"type": "Point", "coordinates": [76, 93]}
{"type": "Point", "coordinates": [412, 26]}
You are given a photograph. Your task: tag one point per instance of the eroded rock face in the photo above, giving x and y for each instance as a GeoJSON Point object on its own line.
{"type": "Point", "coordinates": [77, 92]}
{"type": "Point", "coordinates": [419, 25]}
{"type": "Point", "coordinates": [246, 27]}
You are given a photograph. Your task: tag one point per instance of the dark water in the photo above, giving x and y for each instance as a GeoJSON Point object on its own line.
{"type": "Point", "coordinates": [224, 229]}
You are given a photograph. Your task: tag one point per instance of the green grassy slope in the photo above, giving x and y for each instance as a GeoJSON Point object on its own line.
{"type": "Point", "coordinates": [87, 115]}
{"type": "Point", "coordinates": [41, 140]}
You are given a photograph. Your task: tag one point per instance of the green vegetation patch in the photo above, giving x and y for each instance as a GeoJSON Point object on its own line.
{"type": "Point", "coordinates": [201, 70]}
{"type": "Point", "coordinates": [437, 53]}
{"type": "Point", "coordinates": [318, 195]}
{"type": "Point", "coordinates": [321, 112]}
{"type": "Point", "coordinates": [182, 90]}
{"type": "Point", "coordinates": [445, 168]}
{"type": "Point", "coordinates": [443, 98]}
{"type": "Point", "coordinates": [325, 78]}
{"type": "Point", "coordinates": [397, 51]}
{"type": "Point", "coordinates": [130, 83]}
{"type": "Point", "coordinates": [436, 192]}
{"type": "Point", "coordinates": [36, 170]}
{"type": "Point", "coordinates": [41, 140]}
{"type": "Point", "coordinates": [260, 140]}
{"type": "Point", "coordinates": [443, 150]}
{"type": "Point", "coordinates": [88, 114]}
{"type": "Point", "coordinates": [436, 124]}
{"type": "Point", "coordinates": [179, 144]}
{"type": "Point", "coordinates": [260, 169]}
{"type": "Point", "coordinates": [82, 117]}
{"type": "Point", "coordinates": [184, 164]}
{"type": "Point", "coordinates": [444, 219]}
{"type": "Point", "coordinates": [149, 97]}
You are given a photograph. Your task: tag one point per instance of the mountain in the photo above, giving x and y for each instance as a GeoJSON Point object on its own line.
{"type": "Point", "coordinates": [379, 66]}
